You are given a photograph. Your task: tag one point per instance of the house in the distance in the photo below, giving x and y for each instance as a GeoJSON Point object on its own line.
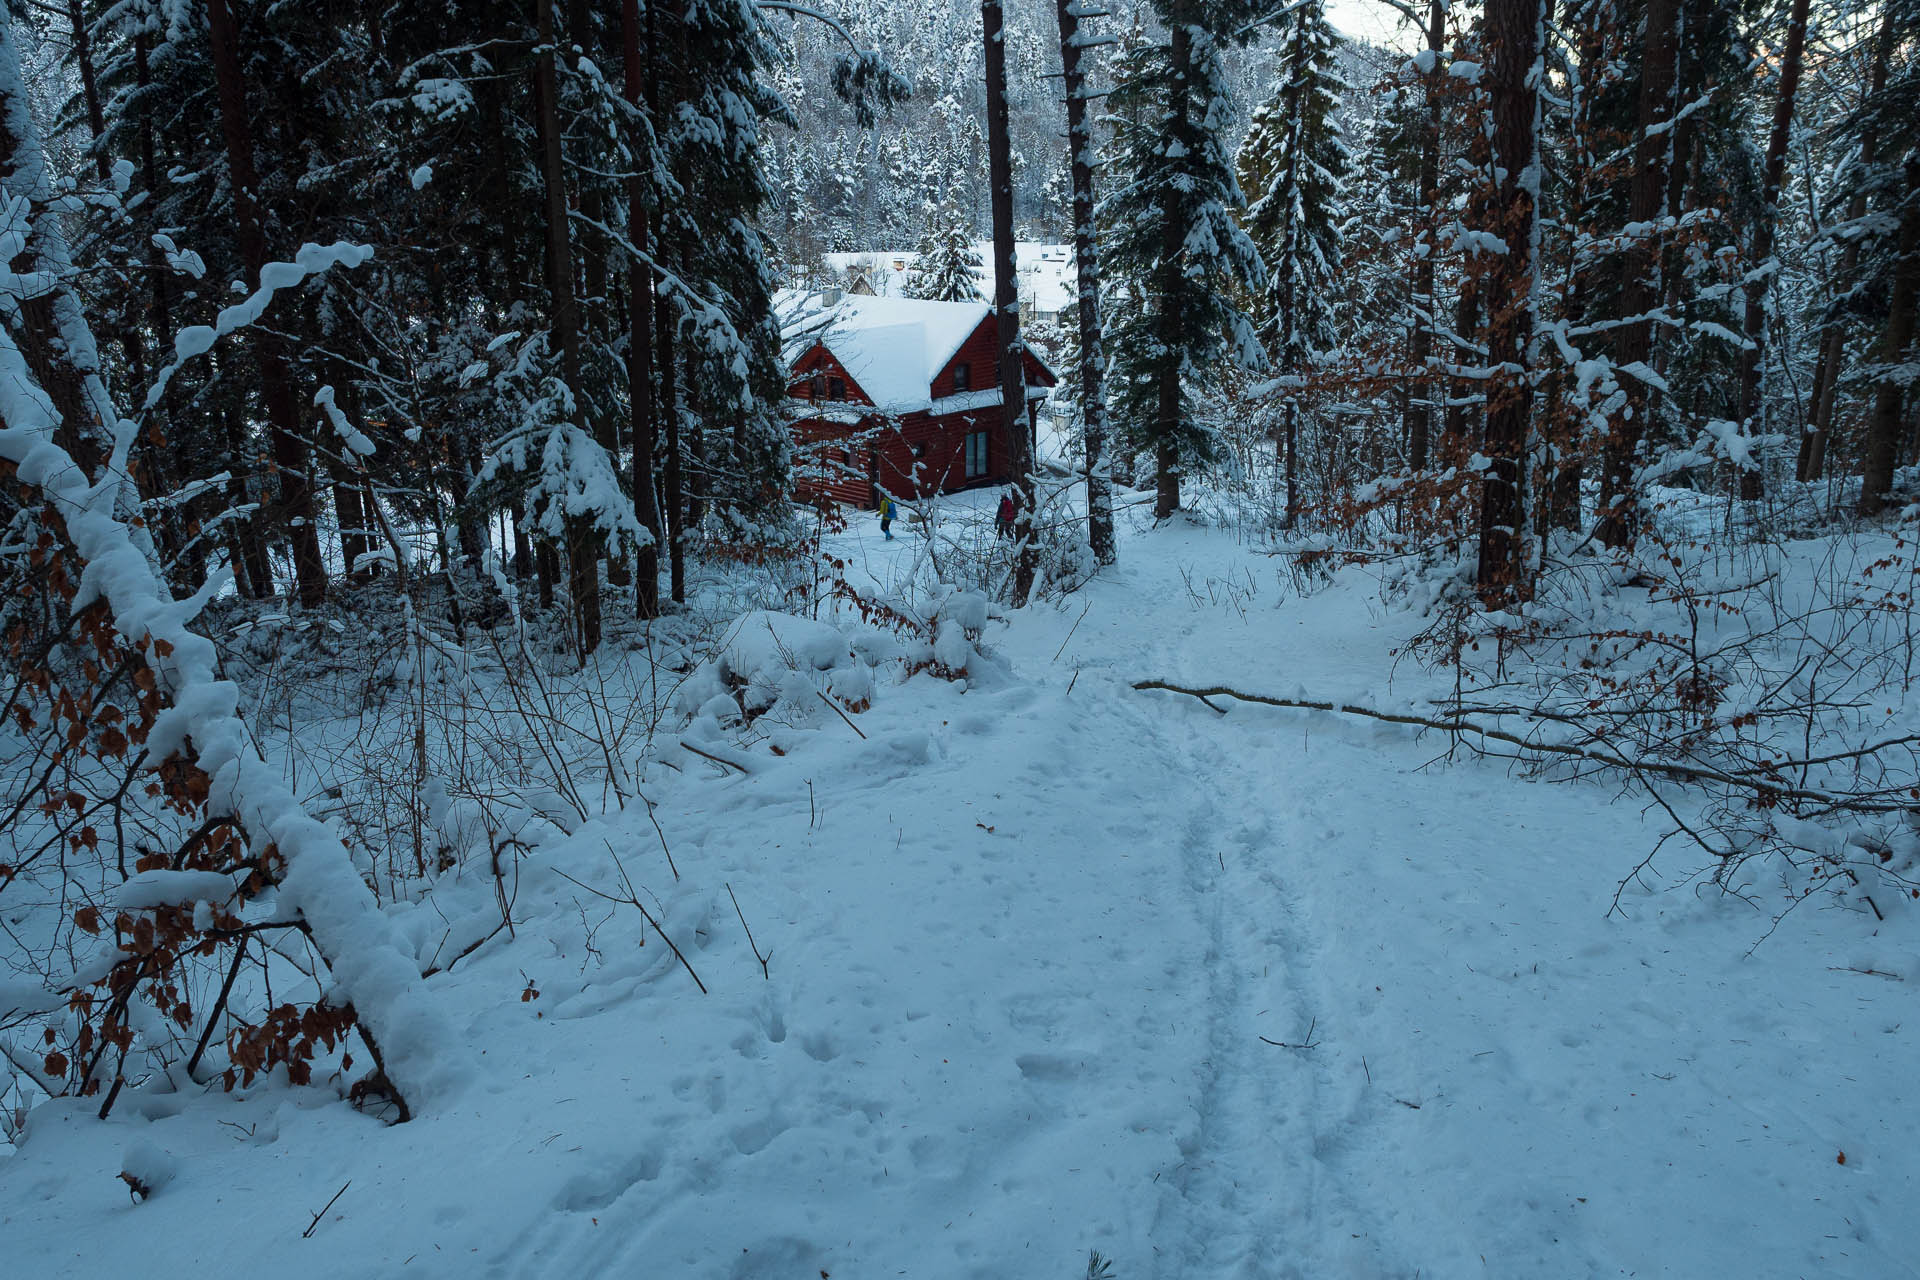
{"type": "Point", "coordinates": [898, 395]}
{"type": "Point", "coordinates": [1044, 275]}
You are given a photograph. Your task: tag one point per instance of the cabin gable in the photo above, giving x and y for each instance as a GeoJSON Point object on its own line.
{"type": "Point", "coordinates": [818, 375]}
{"type": "Point", "coordinates": [976, 365]}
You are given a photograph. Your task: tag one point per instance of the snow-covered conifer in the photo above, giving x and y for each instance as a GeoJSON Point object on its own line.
{"type": "Point", "coordinates": [948, 266]}
{"type": "Point", "coordinates": [1173, 239]}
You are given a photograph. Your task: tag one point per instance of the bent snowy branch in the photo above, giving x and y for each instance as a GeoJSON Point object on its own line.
{"type": "Point", "coordinates": [199, 724]}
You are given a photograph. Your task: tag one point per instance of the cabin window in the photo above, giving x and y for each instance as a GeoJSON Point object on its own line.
{"type": "Point", "coordinates": [976, 454]}
{"type": "Point", "coordinates": [962, 377]}
{"type": "Point", "coordinates": [836, 388]}
{"type": "Point", "coordinates": [816, 386]}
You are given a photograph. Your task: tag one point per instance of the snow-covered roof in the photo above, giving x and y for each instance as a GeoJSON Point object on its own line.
{"type": "Point", "coordinates": [893, 347]}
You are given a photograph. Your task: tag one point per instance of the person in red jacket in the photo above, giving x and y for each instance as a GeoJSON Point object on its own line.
{"type": "Point", "coordinates": [1003, 519]}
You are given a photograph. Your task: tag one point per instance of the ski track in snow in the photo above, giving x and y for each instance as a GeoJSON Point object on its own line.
{"type": "Point", "coordinates": [1261, 1191]}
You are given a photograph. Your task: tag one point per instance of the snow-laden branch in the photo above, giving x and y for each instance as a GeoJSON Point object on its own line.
{"type": "Point", "coordinates": [371, 966]}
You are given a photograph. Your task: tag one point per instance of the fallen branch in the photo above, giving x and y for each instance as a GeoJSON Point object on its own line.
{"type": "Point", "coordinates": [1460, 723]}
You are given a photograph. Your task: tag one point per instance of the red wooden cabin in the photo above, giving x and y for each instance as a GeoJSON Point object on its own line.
{"type": "Point", "coordinates": [899, 395]}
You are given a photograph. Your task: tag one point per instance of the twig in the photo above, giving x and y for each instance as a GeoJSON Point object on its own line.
{"type": "Point", "coordinates": [730, 764]}
{"type": "Point", "coordinates": [308, 1233]}
{"type": "Point", "coordinates": [663, 837]}
{"type": "Point", "coordinates": [837, 711]}
{"type": "Point", "coordinates": [219, 1007]}
{"type": "Point", "coordinates": [1306, 1042]}
{"type": "Point", "coordinates": [1070, 630]}
{"type": "Point", "coordinates": [1871, 973]}
{"type": "Point", "coordinates": [750, 942]}
{"type": "Point", "coordinates": [633, 900]}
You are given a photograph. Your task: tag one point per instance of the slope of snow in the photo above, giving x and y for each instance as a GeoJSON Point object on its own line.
{"type": "Point", "coordinates": [1023, 942]}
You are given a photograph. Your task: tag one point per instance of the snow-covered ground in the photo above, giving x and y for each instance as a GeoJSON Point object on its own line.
{"type": "Point", "coordinates": [1057, 965]}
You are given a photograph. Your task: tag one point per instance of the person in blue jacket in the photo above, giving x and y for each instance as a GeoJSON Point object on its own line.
{"type": "Point", "coordinates": [886, 516]}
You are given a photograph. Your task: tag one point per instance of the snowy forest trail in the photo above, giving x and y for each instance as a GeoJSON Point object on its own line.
{"type": "Point", "coordinates": [1055, 964]}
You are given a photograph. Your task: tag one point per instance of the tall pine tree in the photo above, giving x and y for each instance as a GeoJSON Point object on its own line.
{"type": "Point", "coordinates": [1294, 167]}
{"type": "Point", "coordinates": [1174, 241]}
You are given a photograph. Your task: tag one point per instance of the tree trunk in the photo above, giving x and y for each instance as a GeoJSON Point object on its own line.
{"type": "Point", "coordinates": [1086, 250]}
{"type": "Point", "coordinates": [1833, 341]}
{"type": "Point", "coordinates": [1166, 455]}
{"type": "Point", "coordinates": [1513, 35]}
{"type": "Point", "coordinates": [1884, 426]}
{"type": "Point", "coordinates": [356, 522]}
{"type": "Point", "coordinates": [1006, 304]}
{"type": "Point", "coordinates": [665, 326]}
{"type": "Point", "coordinates": [1773, 176]}
{"type": "Point", "coordinates": [1461, 432]}
{"type": "Point", "coordinates": [1641, 291]}
{"type": "Point", "coordinates": [583, 542]}
{"type": "Point", "coordinates": [640, 309]}
{"type": "Point", "coordinates": [276, 384]}
{"type": "Point", "coordinates": [89, 86]}
{"type": "Point", "coordinates": [252, 575]}
{"type": "Point", "coordinates": [1419, 411]}
{"type": "Point", "coordinates": [674, 495]}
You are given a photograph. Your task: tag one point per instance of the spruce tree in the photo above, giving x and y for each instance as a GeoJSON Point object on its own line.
{"type": "Point", "coordinates": [1173, 240]}
{"type": "Point", "coordinates": [1294, 167]}
{"type": "Point", "coordinates": [947, 267]}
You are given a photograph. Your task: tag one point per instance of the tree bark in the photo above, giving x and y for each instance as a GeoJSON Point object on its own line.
{"type": "Point", "coordinates": [1086, 250]}
{"type": "Point", "coordinates": [89, 86]}
{"type": "Point", "coordinates": [1419, 412]}
{"type": "Point", "coordinates": [583, 542]}
{"type": "Point", "coordinates": [1006, 304]}
{"type": "Point", "coordinates": [665, 326]}
{"type": "Point", "coordinates": [640, 308]}
{"type": "Point", "coordinates": [1513, 35]}
{"type": "Point", "coordinates": [246, 541]}
{"type": "Point", "coordinates": [1641, 291]}
{"type": "Point", "coordinates": [1773, 177]}
{"type": "Point", "coordinates": [276, 385]}
{"type": "Point", "coordinates": [1833, 340]}
{"type": "Point", "coordinates": [1896, 338]}
{"type": "Point", "coordinates": [1166, 455]}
